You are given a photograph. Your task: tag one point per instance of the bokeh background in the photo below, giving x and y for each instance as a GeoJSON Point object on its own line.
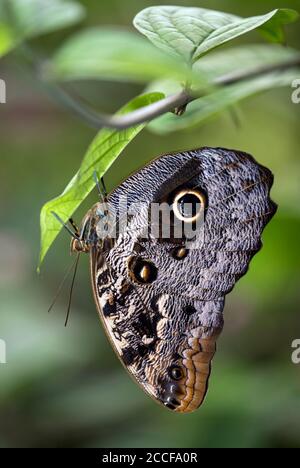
{"type": "Point", "coordinates": [64, 387]}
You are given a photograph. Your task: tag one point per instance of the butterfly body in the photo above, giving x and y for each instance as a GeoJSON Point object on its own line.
{"type": "Point", "coordinates": [160, 295]}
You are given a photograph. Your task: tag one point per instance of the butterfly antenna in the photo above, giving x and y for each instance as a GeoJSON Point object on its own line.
{"type": "Point", "coordinates": [62, 284]}
{"type": "Point", "coordinates": [74, 226]}
{"type": "Point", "coordinates": [103, 187]}
{"type": "Point", "coordinates": [72, 288]}
{"type": "Point", "coordinates": [97, 182]}
{"type": "Point", "coordinates": [73, 234]}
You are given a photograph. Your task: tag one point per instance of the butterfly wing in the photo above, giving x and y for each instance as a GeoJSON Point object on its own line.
{"type": "Point", "coordinates": [163, 312]}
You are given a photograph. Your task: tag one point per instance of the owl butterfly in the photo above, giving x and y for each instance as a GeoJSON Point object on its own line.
{"type": "Point", "coordinates": [161, 298]}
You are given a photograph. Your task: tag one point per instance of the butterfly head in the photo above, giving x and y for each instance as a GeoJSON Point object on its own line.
{"type": "Point", "coordinates": [94, 231]}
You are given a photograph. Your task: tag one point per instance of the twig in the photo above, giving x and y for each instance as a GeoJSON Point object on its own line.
{"type": "Point", "coordinates": [139, 116]}
{"type": "Point", "coordinates": [235, 77]}
{"type": "Point", "coordinates": [174, 103]}
{"type": "Point", "coordinates": [168, 104]}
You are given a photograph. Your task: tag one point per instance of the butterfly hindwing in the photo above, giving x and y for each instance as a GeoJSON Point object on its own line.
{"type": "Point", "coordinates": [162, 306]}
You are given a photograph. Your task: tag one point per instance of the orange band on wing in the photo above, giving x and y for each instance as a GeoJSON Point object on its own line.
{"type": "Point", "coordinates": [197, 362]}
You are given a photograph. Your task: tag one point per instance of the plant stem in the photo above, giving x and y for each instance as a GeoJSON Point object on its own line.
{"type": "Point", "coordinates": [168, 104]}
{"type": "Point", "coordinates": [98, 120]}
{"type": "Point", "coordinates": [235, 77]}
{"type": "Point", "coordinates": [171, 103]}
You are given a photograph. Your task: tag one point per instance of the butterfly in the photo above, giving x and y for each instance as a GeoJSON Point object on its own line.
{"type": "Point", "coordinates": [160, 283]}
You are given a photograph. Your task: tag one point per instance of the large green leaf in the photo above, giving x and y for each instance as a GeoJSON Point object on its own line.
{"type": "Point", "coordinates": [114, 54]}
{"type": "Point", "coordinates": [103, 151]}
{"type": "Point", "coordinates": [192, 32]}
{"type": "Point", "coordinates": [24, 19]}
{"type": "Point", "coordinates": [229, 63]}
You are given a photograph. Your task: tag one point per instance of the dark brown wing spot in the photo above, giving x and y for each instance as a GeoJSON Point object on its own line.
{"type": "Point", "coordinates": [153, 303]}
{"type": "Point", "coordinates": [189, 310]}
{"type": "Point", "coordinates": [128, 356]}
{"type": "Point", "coordinates": [142, 350]}
{"type": "Point", "coordinates": [109, 309]}
{"type": "Point", "coordinates": [248, 184]}
{"type": "Point", "coordinates": [138, 248]}
{"type": "Point", "coordinates": [143, 325]}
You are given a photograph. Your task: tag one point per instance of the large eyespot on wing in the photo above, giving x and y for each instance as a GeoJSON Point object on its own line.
{"type": "Point", "coordinates": [141, 271]}
{"type": "Point", "coordinates": [188, 204]}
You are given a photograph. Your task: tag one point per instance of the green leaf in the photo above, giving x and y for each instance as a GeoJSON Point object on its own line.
{"type": "Point", "coordinates": [243, 59]}
{"type": "Point", "coordinates": [273, 30]}
{"type": "Point", "coordinates": [103, 151]}
{"type": "Point", "coordinates": [113, 54]}
{"type": "Point", "coordinates": [229, 63]}
{"type": "Point", "coordinates": [24, 19]}
{"type": "Point", "coordinates": [6, 39]}
{"type": "Point", "coordinates": [192, 32]}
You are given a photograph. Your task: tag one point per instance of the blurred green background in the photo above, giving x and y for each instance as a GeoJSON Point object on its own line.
{"type": "Point", "coordinates": [64, 387]}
